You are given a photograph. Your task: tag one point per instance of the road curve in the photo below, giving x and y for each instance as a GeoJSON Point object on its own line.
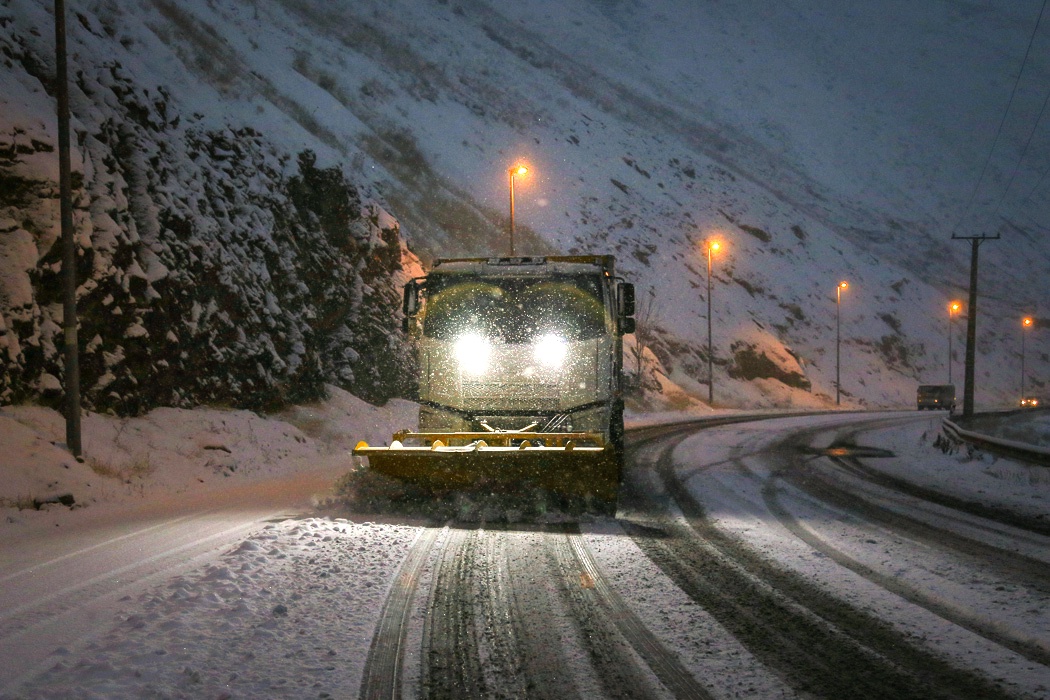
{"type": "Point", "coordinates": [817, 640]}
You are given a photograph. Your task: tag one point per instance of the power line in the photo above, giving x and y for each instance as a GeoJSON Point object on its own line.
{"type": "Point", "coordinates": [1042, 177]}
{"type": "Point", "coordinates": [1002, 121]}
{"type": "Point", "coordinates": [1017, 168]}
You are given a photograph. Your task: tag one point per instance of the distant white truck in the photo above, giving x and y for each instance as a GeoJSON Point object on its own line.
{"type": "Point", "coordinates": [936, 397]}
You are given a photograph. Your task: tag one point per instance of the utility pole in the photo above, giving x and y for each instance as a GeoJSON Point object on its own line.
{"type": "Point", "coordinates": [69, 250]}
{"type": "Point", "coordinates": [971, 320]}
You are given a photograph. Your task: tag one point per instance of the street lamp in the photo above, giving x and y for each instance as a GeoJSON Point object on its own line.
{"type": "Point", "coordinates": [1026, 323]}
{"type": "Point", "coordinates": [712, 246]}
{"type": "Point", "coordinates": [511, 172]}
{"type": "Point", "coordinates": [953, 308]}
{"type": "Point", "coordinates": [838, 339]}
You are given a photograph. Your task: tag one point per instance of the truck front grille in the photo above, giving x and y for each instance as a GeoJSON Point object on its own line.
{"type": "Point", "coordinates": [504, 396]}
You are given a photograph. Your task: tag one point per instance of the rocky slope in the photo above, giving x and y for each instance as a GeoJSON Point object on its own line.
{"type": "Point", "coordinates": [213, 265]}
{"type": "Point", "coordinates": [251, 175]}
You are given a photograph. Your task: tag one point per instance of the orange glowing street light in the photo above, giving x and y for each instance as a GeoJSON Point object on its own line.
{"type": "Point", "coordinates": [953, 308]}
{"type": "Point", "coordinates": [838, 338]}
{"type": "Point", "coordinates": [511, 172]}
{"type": "Point", "coordinates": [712, 247]}
{"type": "Point", "coordinates": [1026, 323]}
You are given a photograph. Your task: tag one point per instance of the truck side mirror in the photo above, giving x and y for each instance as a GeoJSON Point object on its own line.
{"type": "Point", "coordinates": [410, 303]}
{"type": "Point", "coordinates": [625, 299]}
{"type": "Point", "coordinates": [625, 307]}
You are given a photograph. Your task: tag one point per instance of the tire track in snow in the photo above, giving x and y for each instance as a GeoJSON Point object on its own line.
{"type": "Point", "coordinates": [816, 642]}
{"type": "Point", "coordinates": [798, 469]}
{"type": "Point", "coordinates": [523, 652]}
{"type": "Point", "coordinates": [538, 619]}
{"type": "Point", "coordinates": [660, 660]}
{"type": "Point", "coordinates": [382, 673]}
{"type": "Point", "coordinates": [452, 666]}
{"type": "Point", "coordinates": [620, 672]}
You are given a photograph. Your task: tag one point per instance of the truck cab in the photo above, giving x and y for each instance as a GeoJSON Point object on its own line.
{"type": "Point", "coordinates": [515, 342]}
{"type": "Point", "coordinates": [520, 375]}
{"type": "Point", "coordinates": [936, 397]}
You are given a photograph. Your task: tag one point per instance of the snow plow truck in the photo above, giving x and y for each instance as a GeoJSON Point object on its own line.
{"type": "Point", "coordinates": [521, 377]}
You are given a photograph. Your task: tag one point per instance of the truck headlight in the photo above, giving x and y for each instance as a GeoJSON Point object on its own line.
{"type": "Point", "coordinates": [550, 351]}
{"type": "Point", "coordinates": [472, 352]}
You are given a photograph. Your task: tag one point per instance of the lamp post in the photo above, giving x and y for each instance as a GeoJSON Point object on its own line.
{"type": "Point", "coordinates": [511, 172]}
{"type": "Point", "coordinates": [952, 309]}
{"type": "Point", "coordinates": [1026, 323]}
{"type": "Point", "coordinates": [712, 246]}
{"type": "Point", "coordinates": [838, 339]}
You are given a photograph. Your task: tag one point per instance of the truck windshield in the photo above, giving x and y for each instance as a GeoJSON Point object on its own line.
{"type": "Point", "coordinates": [515, 309]}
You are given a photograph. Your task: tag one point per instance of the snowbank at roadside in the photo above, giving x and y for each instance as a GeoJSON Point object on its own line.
{"type": "Point", "coordinates": [980, 477]}
{"type": "Point", "coordinates": [171, 450]}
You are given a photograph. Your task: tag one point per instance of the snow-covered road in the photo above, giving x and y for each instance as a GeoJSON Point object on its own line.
{"type": "Point", "coordinates": [950, 553]}
{"type": "Point", "coordinates": [823, 556]}
{"type": "Point", "coordinates": [64, 583]}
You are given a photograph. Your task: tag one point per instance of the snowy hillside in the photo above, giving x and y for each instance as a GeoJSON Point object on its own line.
{"type": "Point", "coordinates": [818, 143]}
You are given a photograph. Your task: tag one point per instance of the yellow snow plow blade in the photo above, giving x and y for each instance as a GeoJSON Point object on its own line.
{"type": "Point", "coordinates": [578, 464]}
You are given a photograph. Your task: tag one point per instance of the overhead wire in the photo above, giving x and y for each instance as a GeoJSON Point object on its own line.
{"type": "Point", "coordinates": [1035, 126]}
{"type": "Point", "coordinates": [999, 131]}
{"type": "Point", "coordinates": [1039, 182]}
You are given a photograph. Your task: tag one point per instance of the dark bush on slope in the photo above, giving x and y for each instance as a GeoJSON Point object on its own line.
{"type": "Point", "coordinates": [211, 269]}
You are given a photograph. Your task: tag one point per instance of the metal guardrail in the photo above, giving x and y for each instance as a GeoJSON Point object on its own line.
{"type": "Point", "coordinates": [1008, 448]}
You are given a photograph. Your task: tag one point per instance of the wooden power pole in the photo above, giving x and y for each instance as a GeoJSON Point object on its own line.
{"type": "Point", "coordinates": [971, 320]}
{"type": "Point", "coordinates": [69, 250]}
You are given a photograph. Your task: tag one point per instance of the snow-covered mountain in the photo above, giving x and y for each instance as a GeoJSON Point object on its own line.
{"type": "Point", "coordinates": [819, 142]}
